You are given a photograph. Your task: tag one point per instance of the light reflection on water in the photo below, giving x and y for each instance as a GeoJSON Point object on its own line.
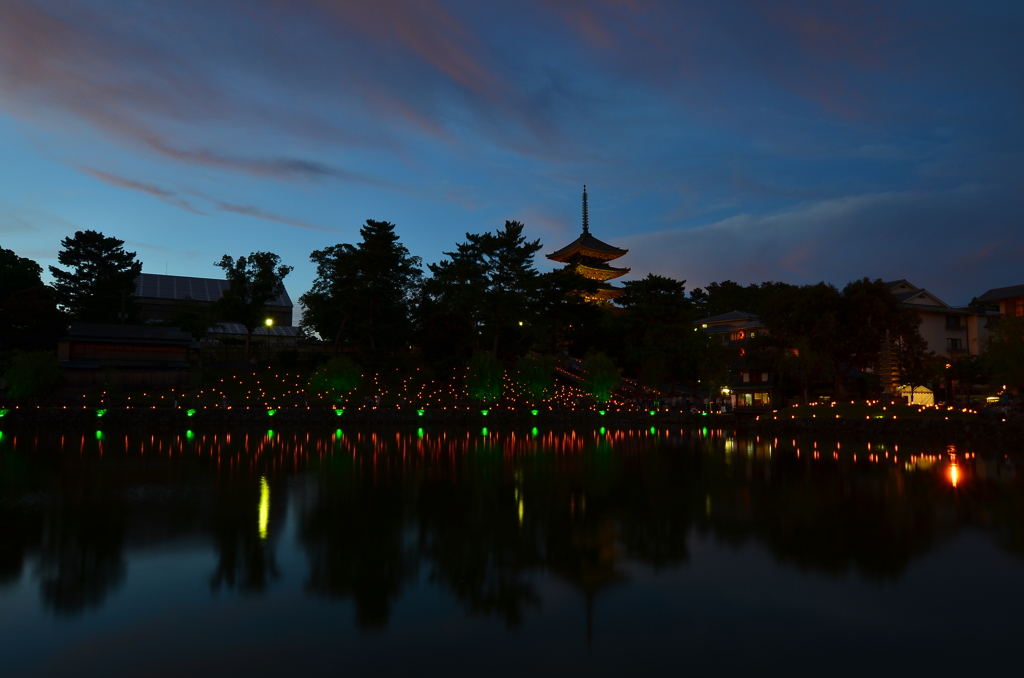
{"type": "Point", "coordinates": [503, 526]}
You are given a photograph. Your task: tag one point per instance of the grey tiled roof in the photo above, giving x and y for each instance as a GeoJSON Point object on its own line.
{"type": "Point", "coordinates": [158, 286]}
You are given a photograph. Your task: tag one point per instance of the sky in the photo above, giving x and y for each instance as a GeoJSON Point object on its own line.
{"type": "Point", "coordinates": [794, 141]}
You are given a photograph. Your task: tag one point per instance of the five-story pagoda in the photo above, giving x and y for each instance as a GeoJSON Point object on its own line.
{"type": "Point", "coordinates": [590, 257]}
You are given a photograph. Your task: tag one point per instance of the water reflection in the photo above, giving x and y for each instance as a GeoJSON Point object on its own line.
{"type": "Point", "coordinates": [482, 516]}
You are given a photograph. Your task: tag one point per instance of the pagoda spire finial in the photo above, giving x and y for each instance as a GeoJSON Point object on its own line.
{"type": "Point", "coordinates": [586, 221]}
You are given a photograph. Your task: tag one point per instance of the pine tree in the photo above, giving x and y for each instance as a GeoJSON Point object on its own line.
{"type": "Point", "coordinates": [101, 282]}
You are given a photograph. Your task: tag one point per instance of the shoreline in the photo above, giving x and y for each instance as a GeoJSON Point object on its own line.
{"type": "Point", "coordinates": [933, 430]}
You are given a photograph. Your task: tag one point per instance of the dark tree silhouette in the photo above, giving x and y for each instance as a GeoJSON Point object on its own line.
{"type": "Point", "coordinates": [29, 317]}
{"type": "Point", "coordinates": [363, 293]}
{"type": "Point", "coordinates": [491, 281]}
{"type": "Point", "coordinates": [252, 282]}
{"type": "Point", "coordinates": [101, 282]}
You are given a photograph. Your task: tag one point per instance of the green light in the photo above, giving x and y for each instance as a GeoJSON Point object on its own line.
{"type": "Point", "coordinates": [340, 411]}
{"type": "Point", "coordinates": [602, 430]}
{"type": "Point", "coordinates": [271, 413]}
{"type": "Point", "coordinates": [270, 433]}
{"type": "Point", "coordinates": [419, 413]}
{"type": "Point", "coordinates": [654, 431]}
{"type": "Point", "coordinates": [652, 412]}
{"type": "Point", "coordinates": [338, 434]}
{"type": "Point", "coordinates": [704, 431]}
{"type": "Point", "coordinates": [419, 433]}
{"type": "Point", "coordinates": [484, 431]}
{"type": "Point", "coordinates": [3, 412]}
{"type": "Point", "coordinates": [99, 435]}
{"type": "Point", "coordinates": [703, 414]}
{"type": "Point", "coordinates": [100, 413]}
{"type": "Point", "coordinates": [601, 412]}
{"type": "Point", "coordinates": [189, 436]}
{"type": "Point", "coordinates": [534, 412]}
{"type": "Point", "coordinates": [534, 432]}
{"type": "Point", "coordinates": [484, 412]}
{"type": "Point", "coordinates": [191, 412]}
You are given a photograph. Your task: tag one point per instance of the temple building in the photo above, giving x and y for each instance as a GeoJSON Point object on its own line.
{"type": "Point", "coordinates": [590, 257]}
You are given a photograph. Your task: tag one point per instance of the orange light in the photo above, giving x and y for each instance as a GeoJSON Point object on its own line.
{"type": "Point", "coordinates": [954, 474]}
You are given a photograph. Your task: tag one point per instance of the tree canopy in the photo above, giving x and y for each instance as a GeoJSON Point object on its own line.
{"type": "Point", "coordinates": [101, 281]}
{"type": "Point", "coordinates": [29, 317]}
{"type": "Point", "coordinates": [362, 294]}
{"type": "Point", "coordinates": [253, 281]}
{"type": "Point", "coordinates": [489, 280]}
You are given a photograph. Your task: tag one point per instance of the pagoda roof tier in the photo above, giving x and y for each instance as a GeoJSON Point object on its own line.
{"type": "Point", "coordinates": [603, 293]}
{"type": "Point", "coordinates": [600, 271]}
{"type": "Point", "coordinates": [587, 246]}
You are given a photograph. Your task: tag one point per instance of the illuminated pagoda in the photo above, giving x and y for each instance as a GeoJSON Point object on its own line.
{"type": "Point", "coordinates": [589, 256]}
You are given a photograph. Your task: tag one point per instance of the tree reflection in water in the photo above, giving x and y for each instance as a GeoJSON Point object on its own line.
{"type": "Point", "coordinates": [482, 517]}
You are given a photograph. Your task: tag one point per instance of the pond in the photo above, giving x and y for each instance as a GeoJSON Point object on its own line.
{"type": "Point", "coordinates": [512, 552]}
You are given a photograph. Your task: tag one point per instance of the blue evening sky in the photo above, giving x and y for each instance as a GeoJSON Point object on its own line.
{"type": "Point", "coordinates": [743, 140]}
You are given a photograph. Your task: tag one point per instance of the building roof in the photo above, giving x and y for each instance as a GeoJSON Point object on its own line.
{"type": "Point", "coordinates": [587, 245]}
{"type": "Point", "coordinates": [179, 287]}
{"type": "Point", "coordinates": [600, 271]}
{"type": "Point", "coordinates": [731, 316]}
{"type": "Point", "coordinates": [1002, 293]}
{"type": "Point", "coordinates": [261, 331]}
{"type": "Point", "coordinates": [124, 334]}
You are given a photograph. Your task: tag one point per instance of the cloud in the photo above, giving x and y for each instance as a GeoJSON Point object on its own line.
{"type": "Point", "coordinates": [942, 241]}
{"type": "Point", "coordinates": [169, 197]}
{"type": "Point", "coordinates": [257, 213]}
{"type": "Point", "coordinates": [174, 198]}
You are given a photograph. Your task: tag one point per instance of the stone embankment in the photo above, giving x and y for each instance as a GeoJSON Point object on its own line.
{"type": "Point", "coordinates": [324, 418]}
{"type": "Point", "coordinates": [315, 418]}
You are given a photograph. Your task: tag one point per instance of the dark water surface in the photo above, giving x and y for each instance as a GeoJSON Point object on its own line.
{"type": "Point", "coordinates": [505, 553]}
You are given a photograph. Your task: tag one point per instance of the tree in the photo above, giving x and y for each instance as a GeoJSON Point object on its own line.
{"type": "Point", "coordinates": [535, 375]}
{"type": "Point", "coordinates": [817, 333]}
{"type": "Point", "coordinates": [336, 377]}
{"type": "Point", "coordinates": [99, 287]}
{"type": "Point", "coordinates": [657, 326]}
{"type": "Point", "coordinates": [252, 282]}
{"type": "Point", "coordinates": [490, 280]}
{"type": "Point", "coordinates": [484, 377]}
{"type": "Point", "coordinates": [363, 293]}
{"type": "Point", "coordinates": [726, 296]}
{"type": "Point", "coordinates": [29, 317]}
{"type": "Point", "coordinates": [1005, 353]}
{"type": "Point", "coordinates": [600, 376]}
{"type": "Point", "coordinates": [33, 374]}
{"type": "Point", "coordinates": [917, 364]}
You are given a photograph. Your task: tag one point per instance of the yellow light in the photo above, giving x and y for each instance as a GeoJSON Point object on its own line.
{"type": "Point", "coordinates": [269, 322]}
{"type": "Point", "coordinates": [520, 511]}
{"type": "Point", "coordinates": [264, 507]}
{"type": "Point", "coordinates": [954, 474]}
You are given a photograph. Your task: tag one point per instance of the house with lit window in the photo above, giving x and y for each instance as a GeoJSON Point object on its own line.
{"type": "Point", "coordinates": [748, 388]}
{"type": "Point", "coordinates": [1010, 300]}
{"type": "Point", "coordinates": [950, 331]}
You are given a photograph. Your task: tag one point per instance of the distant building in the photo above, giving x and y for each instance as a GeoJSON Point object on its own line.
{"type": "Point", "coordinates": [590, 257]}
{"type": "Point", "coordinates": [748, 388]}
{"type": "Point", "coordinates": [1010, 300]}
{"type": "Point", "coordinates": [94, 354]}
{"type": "Point", "coordinates": [951, 332]}
{"type": "Point", "coordinates": [160, 296]}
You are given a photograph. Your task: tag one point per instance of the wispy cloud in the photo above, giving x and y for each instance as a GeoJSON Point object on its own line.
{"type": "Point", "coordinates": [942, 241]}
{"type": "Point", "coordinates": [167, 196]}
{"type": "Point", "coordinates": [174, 198]}
{"type": "Point", "coordinates": [257, 213]}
